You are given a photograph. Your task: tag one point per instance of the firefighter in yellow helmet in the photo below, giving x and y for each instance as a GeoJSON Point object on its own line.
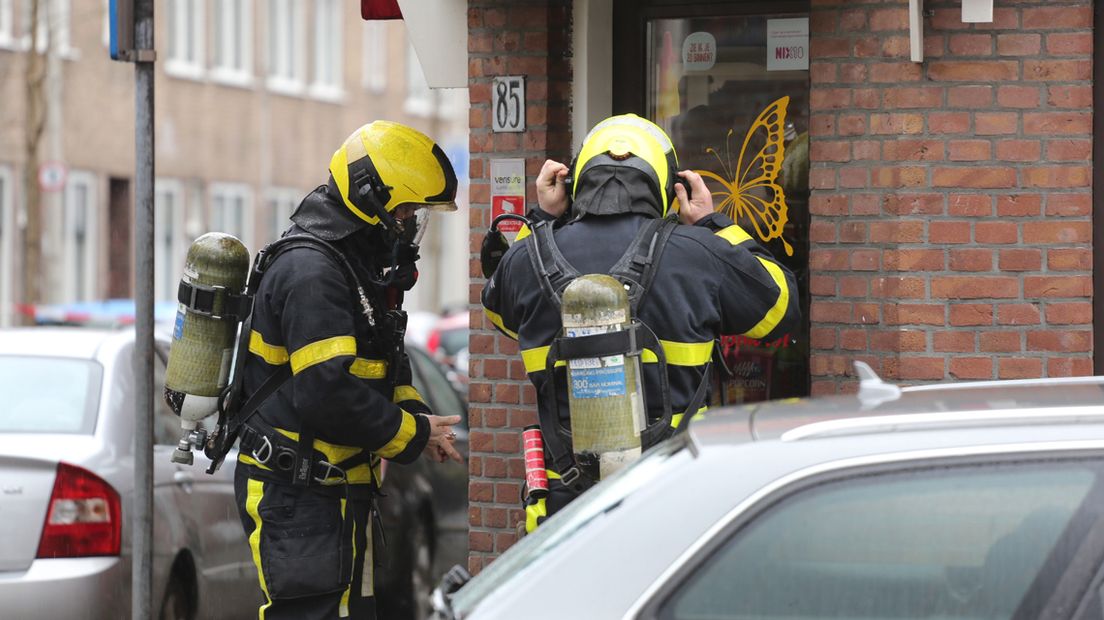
{"type": "Point", "coordinates": [696, 278]}
{"type": "Point", "coordinates": [327, 327]}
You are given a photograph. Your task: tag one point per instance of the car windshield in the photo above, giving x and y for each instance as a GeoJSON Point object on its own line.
{"type": "Point", "coordinates": [48, 394]}
{"type": "Point", "coordinates": [577, 515]}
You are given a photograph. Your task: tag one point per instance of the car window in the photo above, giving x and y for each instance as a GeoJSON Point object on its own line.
{"type": "Point", "coordinates": [49, 394]}
{"type": "Point", "coordinates": [434, 386]}
{"type": "Point", "coordinates": [579, 514]}
{"type": "Point", "coordinates": [957, 543]}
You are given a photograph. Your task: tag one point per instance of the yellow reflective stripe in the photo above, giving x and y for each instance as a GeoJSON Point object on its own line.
{"type": "Point", "coordinates": [681, 353]}
{"type": "Point", "coordinates": [552, 475]}
{"type": "Point", "coordinates": [523, 232]}
{"type": "Point", "coordinates": [334, 453]}
{"type": "Point", "coordinates": [271, 353]}
{"type": "Point", "coordinates": [406, 392]}
{"type": "Point", "coordinates": [676, 418]}
{"type": "Point", "coordinates": [343, 606]}
{"type": "Point", "coordinates": [733, 234]}
{"type": "Point", "coordinates": [318, 352]}
{"type": "Point", "coordinates": [368, 369]}
{"type": "Point", "coordinates": [398, 443]}
{"type": "Point", "coordinates": [677, 353]}
{"type": "Point", "coordinates": [254, 493]}
{"type": "Point", "coordinates": [775, 314]}
{"type": "Point", "coordinates": [533, 512]}
{"type": "Point", "coordinates": [497, 320]}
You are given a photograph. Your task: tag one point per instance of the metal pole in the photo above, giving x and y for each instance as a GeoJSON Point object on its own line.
{"type": "Point", "coordinates": [142, 523]}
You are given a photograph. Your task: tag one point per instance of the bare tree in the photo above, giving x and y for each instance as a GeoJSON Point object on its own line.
{"type": "Point", "coordinates": [34, 129]}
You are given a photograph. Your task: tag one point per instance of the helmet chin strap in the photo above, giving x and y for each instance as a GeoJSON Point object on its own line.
{"type": "Point", "coordinates": [404, 247]}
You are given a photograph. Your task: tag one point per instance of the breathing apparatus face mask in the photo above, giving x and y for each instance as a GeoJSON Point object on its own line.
{"type": "Point", "coordinates": [405, 237]}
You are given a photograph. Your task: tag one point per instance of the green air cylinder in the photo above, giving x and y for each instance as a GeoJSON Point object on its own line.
{"type": "Point", "coordinates": [202, 348]}
{"type": "Point", "coordinates": [604, 393]}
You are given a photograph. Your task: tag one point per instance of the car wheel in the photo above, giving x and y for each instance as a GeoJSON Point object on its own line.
{"type": "Point", "coordinates": [410, 598]}
{"type": "Point", "coordinates": [177, 604]}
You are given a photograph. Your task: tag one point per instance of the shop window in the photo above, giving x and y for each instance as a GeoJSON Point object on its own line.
{"type": "Point", "coordinates": [374, 61]}
{"type": "Point", "coordinates": [6, 35]}
{"type": "Point", "coordinates": [185, 38]}
{"type": "Point", "coordinates": [420, 100]}
{"type": "Point", "coordinates": [740, 117]}
{"type": "Point", "coordinates": [281, 204]}
{"type": "Point", "coordinates": [233, 43]}
{"type": "Point", "coordinates": [328, 47]}
{"type": "Point", "coordinates": [231, 211]}
{"type": "Point", "coordinates": [169, 242]}
{"type": "Point", "coordinates": [78, 242]}
{"type": "Point", "coordinates": [285, 46]}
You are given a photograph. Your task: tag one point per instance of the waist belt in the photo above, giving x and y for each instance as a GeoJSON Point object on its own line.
{"type": "Point", "coordinates": [280, 453]}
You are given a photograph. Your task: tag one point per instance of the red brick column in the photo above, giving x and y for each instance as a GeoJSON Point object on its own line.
{"type": "Point", "coordinates": [951, 232]}
{"type": "Point", "coordinates": [529, 38]}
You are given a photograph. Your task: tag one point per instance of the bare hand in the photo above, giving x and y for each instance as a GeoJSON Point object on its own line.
{"type": "Point", "coordinates": [441, 437]}
{"type": "Point", "coordinates": [693, 209]}
{"type": "Point", "coordinates": [551, 191]}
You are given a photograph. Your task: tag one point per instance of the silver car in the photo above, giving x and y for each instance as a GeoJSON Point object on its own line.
{"type": "Point", "coordinates": [67, 484]}
{"type": "Point", "coordinates": [961, 501]}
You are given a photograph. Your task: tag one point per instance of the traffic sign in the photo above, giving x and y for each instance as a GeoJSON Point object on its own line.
{"type": "Point", "coordinates": [51, 176]}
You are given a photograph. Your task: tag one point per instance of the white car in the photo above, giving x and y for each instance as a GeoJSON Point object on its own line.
{"type": "Point", "coordinates": [67, 488]}
{"type": "Point", "coordinates": [959, 501]}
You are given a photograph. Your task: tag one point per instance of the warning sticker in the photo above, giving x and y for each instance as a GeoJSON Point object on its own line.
{"type": "Point", "coordinates": [178, 326]}
{"type": "Point", "coordinates": [600, 382]}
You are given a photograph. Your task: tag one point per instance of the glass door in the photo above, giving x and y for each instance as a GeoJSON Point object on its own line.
{"type": "Point", "coordinates": [733, 93]}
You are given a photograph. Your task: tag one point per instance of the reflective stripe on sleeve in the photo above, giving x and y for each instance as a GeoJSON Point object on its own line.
{"type": "Point", "coordinates": [321, 351]}
{"type": "Point", "coordinates": [733, 234]}
{"type": "Point", "coordinates": [270, 353]}
{"type": "Point", "coordinates": [775, 314]}
{"type": "Point", "coordinates": [368, 369]}
{"type": "Point", "coordinates": [398, 443]}
{"type": "Point", "coordinates": [406, 392]}
{"type": "Point", "coordinates": [496, 319]}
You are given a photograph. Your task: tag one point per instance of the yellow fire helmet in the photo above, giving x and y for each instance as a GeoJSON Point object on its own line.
{"type": "Point", "coordinates": [614, 147]}
{"type": "Point", "coordinates": [383, 165]}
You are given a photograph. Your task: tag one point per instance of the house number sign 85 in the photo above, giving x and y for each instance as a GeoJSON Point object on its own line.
{"type": "Point", "coordinates": [508, 103]}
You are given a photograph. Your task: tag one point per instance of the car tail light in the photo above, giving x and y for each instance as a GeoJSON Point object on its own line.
{"type": "Point", "coordinates": [83, 518]}
{"type": "Point", "coordinates": [433, 341]}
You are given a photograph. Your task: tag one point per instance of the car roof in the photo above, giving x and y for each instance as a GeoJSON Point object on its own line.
{"type": "Point", "coordinates": [75, 342]}
{"type": "Point", "coordinates": [880, 407]}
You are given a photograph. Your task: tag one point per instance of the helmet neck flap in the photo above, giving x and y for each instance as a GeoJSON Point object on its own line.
{"type": "Point", "coordinates": [609, 187]}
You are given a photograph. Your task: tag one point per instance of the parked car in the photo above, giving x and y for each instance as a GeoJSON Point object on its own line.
{"type": "Point", "coordinates": [425, 511]}
{"type": "Point", "coordinates": [969, 500]}
{"type": "Point", "coordinates": [448, 336]}
{"type": "Point", "coordinates": [66, 474]}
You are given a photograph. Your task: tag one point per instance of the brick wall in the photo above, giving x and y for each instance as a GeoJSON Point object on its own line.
{"type": "Point", "coordinates": [951, 203]}
{"type": "Point", "coordinates": [529, 38]}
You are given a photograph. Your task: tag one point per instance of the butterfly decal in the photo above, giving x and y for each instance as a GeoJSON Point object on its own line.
{"type": "Point", "coordinates": [752, 190]}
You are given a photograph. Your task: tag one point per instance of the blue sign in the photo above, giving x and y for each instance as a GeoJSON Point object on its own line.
{"type": "Point", "coordinates": [601, 382]}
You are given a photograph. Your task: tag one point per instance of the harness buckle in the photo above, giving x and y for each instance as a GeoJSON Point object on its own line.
{"type": "Point", "coordinates": [325, 477]}
{"type": "Point", "coordinates": [265, 448]}
{"type": "Point", "coordinates": [569, 477]}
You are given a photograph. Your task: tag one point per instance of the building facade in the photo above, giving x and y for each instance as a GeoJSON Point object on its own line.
{"type": "Point", "coordinates": [251, 99]}
{"type": "Point", "coordinates": [934, 196]}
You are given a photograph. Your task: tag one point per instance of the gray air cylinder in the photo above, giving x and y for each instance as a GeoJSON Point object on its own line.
{"type": "Point", "coordinates": [604, 393]}
{"type": "Point", "coordinates": [203, 341]}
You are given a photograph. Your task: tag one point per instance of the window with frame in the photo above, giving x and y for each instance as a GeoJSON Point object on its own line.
{"type": "Point", "coordinates": [420, 100]}
{"type": "Point", "coordinates": [185, 38]}
{"type": "Point", "coordinates": [7, 242]}
{"type": "Point", "coordinates": [285, 46]}
{"type": "Point", "coordinates": [78, 243]}
{"type": "Point", "coordinates": [281, 203]}
{"type": "Point", "coordinates": [374, 56]}
{"type": "Point", "coordinates": [233, 45]}
{"type": "Point", "coordinates": [231, 211]}
{"type": "Point", "coordinates": [169, 243]}
{"type": "Point", "coordinates": [328, 60]}
{"type": "Point", "coordinates": [967, 542]}
{"type": "Point", "coordinates": [52, 23]}
{"type": "Point", "coordinates": [7, 35]}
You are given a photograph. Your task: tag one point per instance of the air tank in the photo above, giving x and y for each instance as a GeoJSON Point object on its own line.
{"type": "Point", "coordinates": [604, 393]}
{"type": "Point", "coordinates": [202, 347]}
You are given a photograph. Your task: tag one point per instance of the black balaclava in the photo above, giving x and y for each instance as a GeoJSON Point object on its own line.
{"type": "Point", "coordinates": [607, 187]}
